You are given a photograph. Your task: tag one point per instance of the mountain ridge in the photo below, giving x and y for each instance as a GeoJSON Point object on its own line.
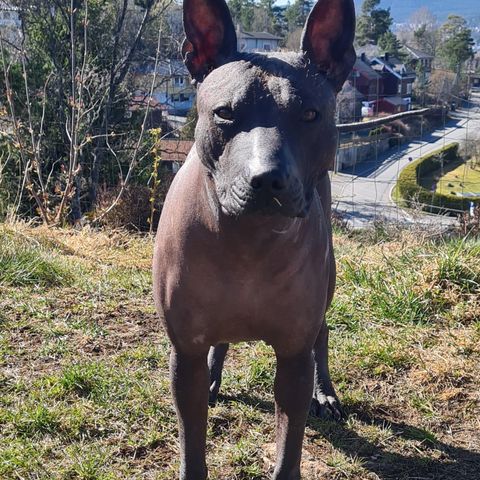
{"type": "Point", "coordinates": [402, 11]}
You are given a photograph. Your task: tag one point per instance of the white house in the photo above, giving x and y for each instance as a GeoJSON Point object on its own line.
{"type": "Point", "coordinates": [257, 41]}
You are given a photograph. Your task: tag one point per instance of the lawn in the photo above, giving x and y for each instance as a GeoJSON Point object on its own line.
{"type": "Point", "coordinates": [462, 179]}
{"type": "Point", "coordinates": [84, 362]}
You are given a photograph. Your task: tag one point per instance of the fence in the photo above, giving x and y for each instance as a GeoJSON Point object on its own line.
{"type": "Point", "coordinates": [367, 169]}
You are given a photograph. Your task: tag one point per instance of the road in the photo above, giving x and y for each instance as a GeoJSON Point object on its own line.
{"type": "Point", "coordinates": [363, 195]}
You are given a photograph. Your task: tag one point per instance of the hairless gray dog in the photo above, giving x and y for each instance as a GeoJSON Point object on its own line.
{"type": "Point", "coordinates": [244, 246]}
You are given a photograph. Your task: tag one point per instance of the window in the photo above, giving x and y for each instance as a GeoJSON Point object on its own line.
{"type": "Point", "coordinates": [266, 47]}
{"type": "Point", "coordinates": [399, 88]}
{"type": "Point", "coordinates": [179, 81]}
{"type": "Point", "coordinates": [409, 88]}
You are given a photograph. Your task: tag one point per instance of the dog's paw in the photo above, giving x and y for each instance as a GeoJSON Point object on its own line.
{"type": "Point", "coordinates": [213, 394]}
{"type": "Point", "coordinates": [327, 407]}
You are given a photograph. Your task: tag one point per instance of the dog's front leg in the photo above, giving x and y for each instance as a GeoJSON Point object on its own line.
{"type": "Point", "coordinates": [190, 381]}
{"type": "Point", "coordinates": [293, 392]}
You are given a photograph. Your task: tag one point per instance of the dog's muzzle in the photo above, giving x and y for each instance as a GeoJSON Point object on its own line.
{"type": "Point", "coordinates": [270, 193]}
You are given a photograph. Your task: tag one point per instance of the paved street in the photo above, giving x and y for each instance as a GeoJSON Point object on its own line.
{"type": "Point", "coordinates": [362, 195]}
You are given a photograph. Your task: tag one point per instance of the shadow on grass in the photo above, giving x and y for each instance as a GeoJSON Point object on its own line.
{"type": "Point", "coordinates": [431, 460]}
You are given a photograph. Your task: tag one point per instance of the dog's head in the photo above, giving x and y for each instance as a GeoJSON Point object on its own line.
{"type": "Point", "coordinates": [266, 129]}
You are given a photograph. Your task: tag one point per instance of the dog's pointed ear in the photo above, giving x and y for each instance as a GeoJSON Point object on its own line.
{"type": "Point", "coordinates": [327, 39]}
{"type": "Point", "coordinates": [210, 36]}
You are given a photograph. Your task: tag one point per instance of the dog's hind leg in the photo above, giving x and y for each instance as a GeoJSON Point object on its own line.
{"type": "Point", "coordinates": [189, 378]}
{"type": "Point", "coordinates": [216, 358]}
{"type": "Point", "coordinates": [293, 391]}
{"type": "Point", "coordinates": [325, 403]}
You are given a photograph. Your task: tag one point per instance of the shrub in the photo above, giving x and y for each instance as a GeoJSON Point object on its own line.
{"type": "Point", "coordinates": [410, 188]}
{"type": "Point", "coordinates": [134, 207]}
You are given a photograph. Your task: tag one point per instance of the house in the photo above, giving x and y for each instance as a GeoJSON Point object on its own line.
{"type": "Point", "coordinates": [257, 41]}
{"type": "Point", "coordinates": [473, 70]}
{"type": "Point", "coordinates": [173, 88]}
{"type": "Point", "coordinates": [474, 64]}
{"type": "Point", "coordinates": [9, 16]}
{"type": "Point", "coordinates": [475, 82]}
{"type": "Point", "coordinates": [366, 80]}
{"type": "Point", "coordinates": [156, 111]}
{"type": "Point", "coordinates": [174, 153]}
{"type": "Point", "coordinates": [420, 61]}
{"type": "Point", "coordinates": [398, 80]}
{"type": "Point", "coordinates": [10, 23]}
{"type": "Point", "coordinates": [369, 85]}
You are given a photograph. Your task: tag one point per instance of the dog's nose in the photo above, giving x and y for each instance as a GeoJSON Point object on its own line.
{"type": "Point", "coordinates": [273, 181]}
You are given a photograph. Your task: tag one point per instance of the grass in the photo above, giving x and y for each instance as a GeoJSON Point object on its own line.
{"type": "Point", "coordinates": [464, 178]}
{"type": "Point", "coordinates": [25, 262]}
{"type": "Point", "coordinates": [84, 391]}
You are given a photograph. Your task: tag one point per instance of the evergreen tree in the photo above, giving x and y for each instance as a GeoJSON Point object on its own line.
{"type": "Point", "coordinates": [373, 22]}
{"type": "Point", "coordinates": [456, 43]}
{"type": "Point", "coordinates": [296, 14]}
{"type": "Point", "coordinates": [389, 43]}
{"type": "Point", "coordinates": [263, 20]}
{"type": "Point", "coordinates": [243, 13]}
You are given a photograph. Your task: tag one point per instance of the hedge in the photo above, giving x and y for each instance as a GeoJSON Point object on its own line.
{"type": "Point", "coordinates": [411, 190]}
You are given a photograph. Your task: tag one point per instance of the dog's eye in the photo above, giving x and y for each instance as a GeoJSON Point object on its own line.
{"type": "Point", "coordinates": [309, 115]}
{"type": "Point", "coordinates": [225, 113]}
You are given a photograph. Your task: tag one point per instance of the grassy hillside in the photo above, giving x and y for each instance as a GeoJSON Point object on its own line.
{"type": "Point", "coordinates": [83, 365]}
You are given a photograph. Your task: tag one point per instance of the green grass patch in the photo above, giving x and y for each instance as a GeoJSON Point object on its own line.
{"type": "Point", "coordinates": [25, 262]}
{"type": "Point", "coordinates": [416, 182]}
{"type": "Point", "coordinates": [465, 178]}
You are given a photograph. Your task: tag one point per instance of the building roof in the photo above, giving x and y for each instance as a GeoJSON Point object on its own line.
{"type": "Point", "coordinates": [167, 68]}
{"type": "Point", "coordinates": [349, 90]}
{"type": "Point", "coordinates": [394, 65]}
{"type": "Point", "coordinates": [140, 102]}
{"type": "Point", "coordinates": [258, 35]}
{"type": "Point", "coordinates": [5, 6]}
{"type": "Point", "coordinates": [418, 54]}
{"type": "Point", "coordinates": [397, 101]}
{"type": "Point", "coordinates": [362, 66]}
{"type": "Point", "coordinates": [175, 150]}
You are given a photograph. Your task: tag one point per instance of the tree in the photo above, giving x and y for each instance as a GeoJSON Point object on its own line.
{"type": "Point", "coordinates": [373, 22]}
{"type": "Point", "coordinates": [188, 131]}
{"type": "Point", "coordinates": [262, 15]}
{"type": "Point", "coordinates": [389, 43]}
{"type": "Point", "coordinates": [243, 13]}
{"type": "Point", "coordinates": [421, 31]}
{"type": "Point", "coordinates": [456, 43]}
{"type": "Point", "coordinates": [349, 105]}
{"type": "Point", "coordinates": [296, 14]}
{"type": "Point", "coordinates": [68, 119]}
{"type": "Point", "coordinates": [425, 34]}
{"type": "Point", "coordinates": [293, 39]}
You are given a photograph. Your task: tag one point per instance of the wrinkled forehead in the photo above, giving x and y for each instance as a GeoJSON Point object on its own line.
{"type": "Point", "coordinates": [260, 77]}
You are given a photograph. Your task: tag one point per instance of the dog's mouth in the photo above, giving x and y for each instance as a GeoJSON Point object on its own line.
{"type": "Point", "coordinates": [239, 200]}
